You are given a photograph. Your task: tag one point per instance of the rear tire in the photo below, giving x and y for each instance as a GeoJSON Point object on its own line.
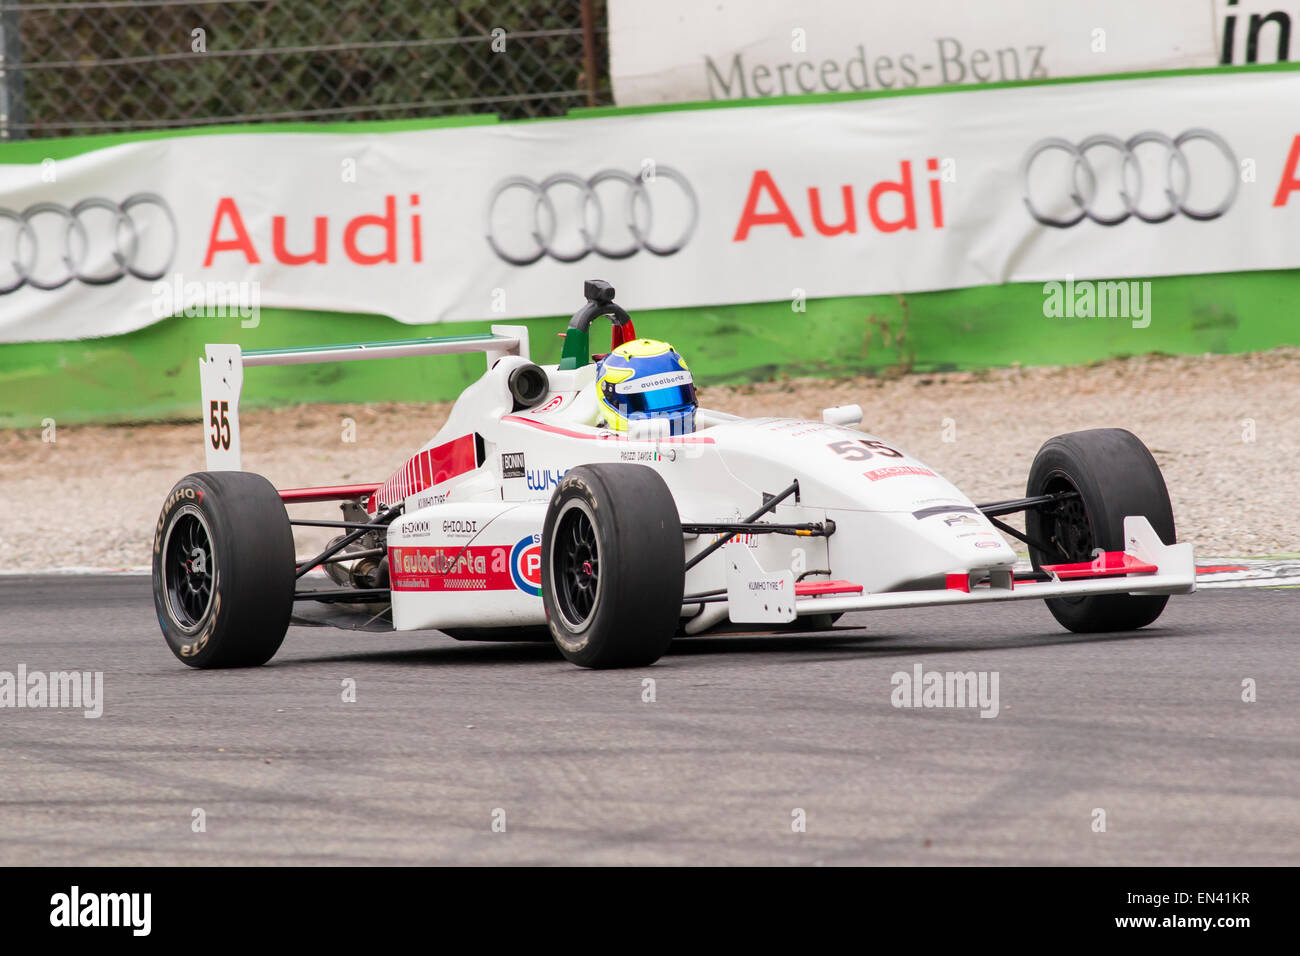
{"type": "Point", "coordinates": [223, 569]}
{"type": "Point", "coordinates": [613, 566]}
{"type": "Point", "coordinates": [1115, 476]}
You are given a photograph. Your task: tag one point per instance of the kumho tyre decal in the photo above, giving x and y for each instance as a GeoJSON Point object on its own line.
{"type": "Point", "coordinates": [196, 633]}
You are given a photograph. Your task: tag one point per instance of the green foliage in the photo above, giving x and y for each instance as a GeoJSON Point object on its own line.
{"type": "Point", "coordinates": [123, 66]}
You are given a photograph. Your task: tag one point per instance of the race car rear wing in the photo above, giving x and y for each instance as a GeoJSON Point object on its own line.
{"type": "Point", "coordinates": [221, 374]}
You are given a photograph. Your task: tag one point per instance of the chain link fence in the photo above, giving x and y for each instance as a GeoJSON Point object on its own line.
{"type": "Point", "coordinates": [73, 68]}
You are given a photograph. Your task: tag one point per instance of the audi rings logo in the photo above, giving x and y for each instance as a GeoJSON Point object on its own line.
{"type": "Point", "coordinates": [569, 229]}
{"type": "Point", "coordinates": [1168, 197]}
{"type": "Point", "coordinates": [81, 240]}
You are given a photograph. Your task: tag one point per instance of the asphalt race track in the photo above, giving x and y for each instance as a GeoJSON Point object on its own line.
{"type": "Point", "coordinates": [444, 738]}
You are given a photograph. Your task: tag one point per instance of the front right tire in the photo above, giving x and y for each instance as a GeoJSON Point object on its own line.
{"type": "Point", "coordinates": [1115, 476]}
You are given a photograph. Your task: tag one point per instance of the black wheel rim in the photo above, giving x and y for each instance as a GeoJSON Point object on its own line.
{"type": "Point", "coordinates": [1068, 524]}
{"type": "Point", "coordinates": [575, 564]}
{"type": "Point", "coordinates": [1067, 528]}
{"type": "Point", "coordinates": [188, 570]}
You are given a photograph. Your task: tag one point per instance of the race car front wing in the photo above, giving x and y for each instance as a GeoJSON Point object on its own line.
{"type": "Point", "coordinates": [1145, 566]}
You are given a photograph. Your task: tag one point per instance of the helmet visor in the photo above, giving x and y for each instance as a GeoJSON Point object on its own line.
{"type": "Point", "coordinates": [661, 402]}
{"type": "Point", "coordinates": [658, 394]}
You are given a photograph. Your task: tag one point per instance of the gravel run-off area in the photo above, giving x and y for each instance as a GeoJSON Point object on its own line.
{"type": "Point", "coordinates": [1224, 428]}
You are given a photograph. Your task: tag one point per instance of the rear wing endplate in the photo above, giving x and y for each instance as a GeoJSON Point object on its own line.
{"type": "Point", "coordinates": [221, 375]}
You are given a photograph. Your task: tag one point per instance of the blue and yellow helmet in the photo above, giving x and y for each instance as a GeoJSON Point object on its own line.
{"type": "Point", "coordinates": [646, 379]}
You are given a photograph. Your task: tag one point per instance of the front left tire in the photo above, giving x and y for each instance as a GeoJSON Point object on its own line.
{"type": "Point", "coordinates": [613, 566]}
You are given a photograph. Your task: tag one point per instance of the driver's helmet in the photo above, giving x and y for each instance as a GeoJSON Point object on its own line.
{"type": "Point", "coordinates": [645, 378]}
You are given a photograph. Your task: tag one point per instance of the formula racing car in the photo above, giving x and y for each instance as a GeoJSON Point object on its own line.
{"type": "Point", "coordinates": [575, 502]}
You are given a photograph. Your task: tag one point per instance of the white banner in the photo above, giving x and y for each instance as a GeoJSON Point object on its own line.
{"type": "Point", "coordinates": [685, 50]}
{"type": "Point", "coordinates": [1107, 179]}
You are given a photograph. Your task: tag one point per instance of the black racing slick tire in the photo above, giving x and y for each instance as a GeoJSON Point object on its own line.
{"type": "Point", "coordinates": [223, 569]}
{"type": "Point", "coordinates": [613, 566]}
{"type": "Point", "coordinates": [1115, 477]}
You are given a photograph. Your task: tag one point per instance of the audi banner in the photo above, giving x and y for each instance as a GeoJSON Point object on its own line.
{"type": "Point", "coordinates": [1106, 179]}
{"type": "Point", "coordinates": [677, 51]}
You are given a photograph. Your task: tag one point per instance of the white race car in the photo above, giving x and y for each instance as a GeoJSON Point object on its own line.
{"type": "Point", "coordinates": [524, 516]}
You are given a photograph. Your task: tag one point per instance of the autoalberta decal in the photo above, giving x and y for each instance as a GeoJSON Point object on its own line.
{"type": "Point", "coordinates": [893, 471]}
{"type": "Point", "coordinates": [526, 565]}
{"type": "Point", "coordinates": [477, 568]}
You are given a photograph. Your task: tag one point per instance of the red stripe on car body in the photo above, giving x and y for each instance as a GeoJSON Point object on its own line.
{"type": "Point", "coordinates": [326, 493]}
{"type": "Point", "coordinates": [609, 436]}
{"type": "Point", "coordinates": [427, 468]}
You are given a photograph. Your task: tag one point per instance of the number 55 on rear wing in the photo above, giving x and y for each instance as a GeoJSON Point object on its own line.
{"type": "Point", "coordinates": [221, 375]}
